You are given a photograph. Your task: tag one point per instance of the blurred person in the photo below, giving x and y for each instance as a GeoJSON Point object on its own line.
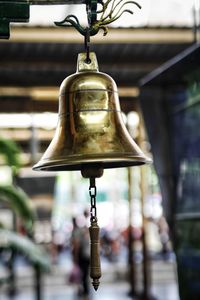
{"type": "Point", "coordinates": [80, 247]}
{"type": "Point", "coordinates": [110, 244]}
{"type": "Point", "coordinates": [163, 230]}
{"type": "Point", "coordinates": [105, 243]}
{"type": "Point", "coordinates": [57, 245]}
{"type": "Point", "coordinates": [54, 249]}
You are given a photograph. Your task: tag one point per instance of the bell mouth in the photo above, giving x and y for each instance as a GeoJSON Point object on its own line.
{"type": "Point", "coordinates": [78, 162]}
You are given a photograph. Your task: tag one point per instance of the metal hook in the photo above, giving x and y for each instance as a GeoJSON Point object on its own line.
{"type": "Point", "coordinates": [87, 46]}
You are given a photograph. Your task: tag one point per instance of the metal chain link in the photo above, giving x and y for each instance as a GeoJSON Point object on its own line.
{"type": "Point", "coordinates": [93, 193]}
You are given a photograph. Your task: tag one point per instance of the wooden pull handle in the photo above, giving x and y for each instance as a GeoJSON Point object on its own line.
{"type": "Point", "coordinates": [95, 265]}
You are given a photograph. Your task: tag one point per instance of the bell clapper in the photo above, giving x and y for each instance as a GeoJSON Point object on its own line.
{"type": "Point", "coordinates": [95, 265]}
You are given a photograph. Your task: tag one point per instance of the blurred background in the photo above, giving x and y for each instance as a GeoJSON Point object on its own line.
{"type": "Point", "coordinates": [149, 216]}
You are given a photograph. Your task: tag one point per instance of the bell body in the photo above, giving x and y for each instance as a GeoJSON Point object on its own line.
{"type": "Point", "coordinates": [90, 129]}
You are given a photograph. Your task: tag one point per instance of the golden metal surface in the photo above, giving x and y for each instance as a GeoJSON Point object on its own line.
{"type": "Point", "coordinates": [90, 128]}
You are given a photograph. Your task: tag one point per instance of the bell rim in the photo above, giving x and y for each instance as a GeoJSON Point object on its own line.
{"type": "Point", "coordinates": [71, 162]}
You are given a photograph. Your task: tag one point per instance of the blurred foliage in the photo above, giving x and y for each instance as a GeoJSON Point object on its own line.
{"type": "Point", "coordinates": [10, 151]}
{"type": "Point", "coordinates": [34, 253]}
{"type": "Point", "coordinates": [19, 202]}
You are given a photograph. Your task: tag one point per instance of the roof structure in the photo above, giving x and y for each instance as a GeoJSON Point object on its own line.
{"type": "Point", "coordinates": [38, 58]}
{"type": "Point", "coordinates": [35, 60]}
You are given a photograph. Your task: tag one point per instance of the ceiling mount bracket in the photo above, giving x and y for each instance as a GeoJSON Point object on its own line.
{"type": "Point", "coordinates": [111, 11]}
{"type": "Point", "coordinates": [12, 11]}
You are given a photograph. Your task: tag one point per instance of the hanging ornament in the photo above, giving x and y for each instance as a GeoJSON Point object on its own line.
{"type": "Point", "coordinates": [91, 135]}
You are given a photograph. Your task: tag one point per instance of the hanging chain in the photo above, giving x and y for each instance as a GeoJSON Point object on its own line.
{"type": "Point", "coordinates": [93, 193]}
{"type": "Point", "coordinates": [95, 264]}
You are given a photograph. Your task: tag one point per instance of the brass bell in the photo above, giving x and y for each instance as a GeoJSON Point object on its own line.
{"type": "Point", "coordinates": [90, 134]}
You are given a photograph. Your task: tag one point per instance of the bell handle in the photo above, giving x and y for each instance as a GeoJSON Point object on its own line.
{"type": "Point", "coordinates": [95, 266]}
{"type": "Point", "coordinates": [83, 65]}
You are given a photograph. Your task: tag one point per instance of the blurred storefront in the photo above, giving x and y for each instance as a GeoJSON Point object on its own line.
{"type": "Point", "coordinates": [170, 100]}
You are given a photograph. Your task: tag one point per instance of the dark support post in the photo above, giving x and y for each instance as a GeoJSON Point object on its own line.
{"type": "Point", "coordinates": [132, 277]}
{"type": "Point", "coordinates": [146, 275]}
{"type": "Point", "coordinates": [12, 11]}
{"type": "Point", "coordinates": [146, 294]}
{"type": "Point", "coordinates": [195, 25]}
{"type": "Point", "coordinates": [12, 290]}
{"type": "Point", "coordinates": [12, 278]}
{"type": "Point", "coordinates": [38, 285]}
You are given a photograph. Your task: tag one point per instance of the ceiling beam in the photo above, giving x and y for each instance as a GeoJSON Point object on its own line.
{"type": "Point", "coordinates": [43, 99]}
{"type": "Point", "coordinates": [28, 105]}
{"type": "Point", "coordinates": [52, 93]}
{"type": "Point", "coordinates": [115, 35]}
{"type": "Point", "coordinates": [28, 76]}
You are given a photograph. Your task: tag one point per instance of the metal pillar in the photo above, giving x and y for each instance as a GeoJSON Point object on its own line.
{"type": "Point", "coordinates": [132, 275]}
{"type": "Point", "coordinates": [146, 294]}
{"type": "Point", "coordinates": [38, 283]}
{"type": "Point", "coordinates": [145, 265]}
{"type": "Point", "coordinates": [12, 289]}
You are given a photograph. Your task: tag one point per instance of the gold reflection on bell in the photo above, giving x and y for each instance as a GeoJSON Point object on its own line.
{"type": "Point", "coordinates": [90, 131]}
